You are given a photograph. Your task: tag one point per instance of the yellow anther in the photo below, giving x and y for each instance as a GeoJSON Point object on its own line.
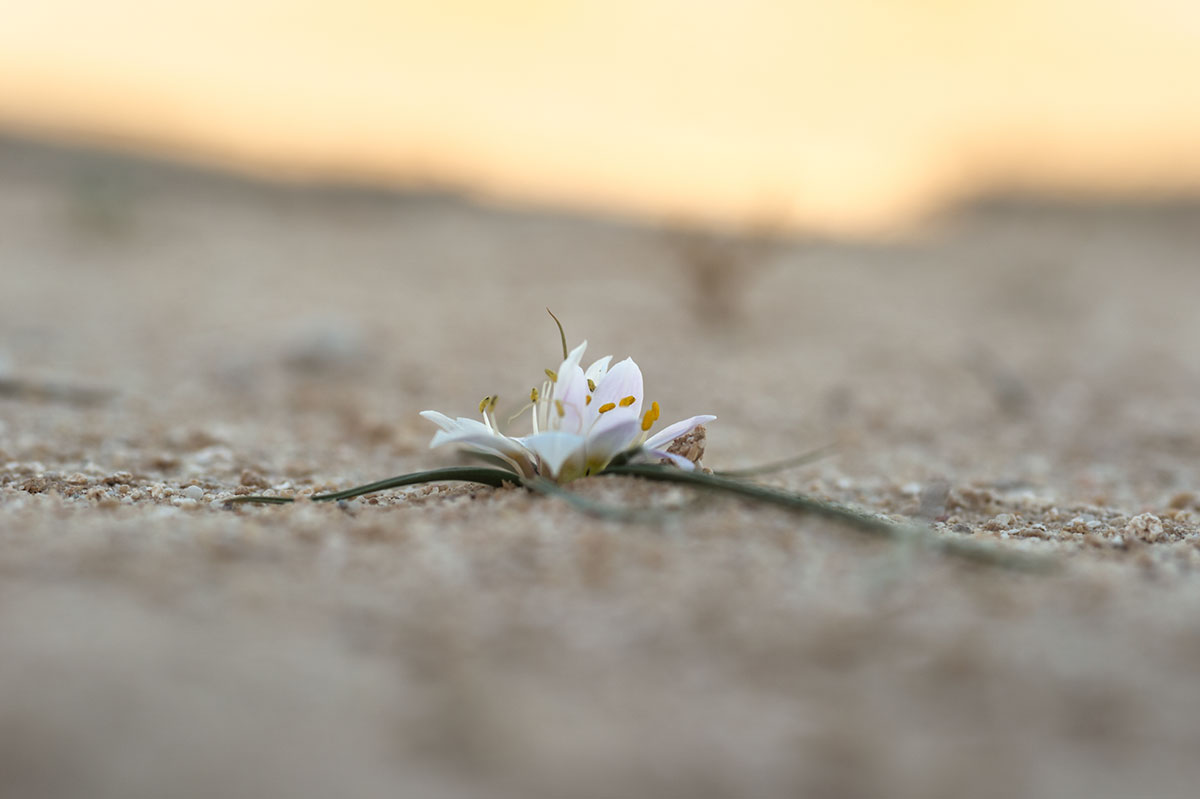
{"type": "Point", "coordinates": [587, 400]}
{"type": "Point", "coordinates": [533, 394]}
{"type": "Point", "coordinates": [651, 417]}
{"type": "Point", "coordinates": [627, 401]}
{"type": "Point", "coordinates": [483, 403]}
{"type": "Point", "coordinates": [606, 407]}
{"type": "Point", "coordinates": [558, 406]}
{"type": "Point", "coordinates": [550, 373]}
{"type": "Point", "coordinates": [492, 402]}
{"type": "Point", "coordinates": [591, 384]}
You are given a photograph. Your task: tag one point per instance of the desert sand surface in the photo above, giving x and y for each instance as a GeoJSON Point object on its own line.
{"type": "Point", "coordinates": [1018, 372]}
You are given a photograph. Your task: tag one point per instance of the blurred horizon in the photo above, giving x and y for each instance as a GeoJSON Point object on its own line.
{"type": "Point", "coordinates": [850, 118]}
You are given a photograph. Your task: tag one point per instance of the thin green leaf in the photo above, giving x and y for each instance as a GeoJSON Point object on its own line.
{"type": "Point", "coordinates": [591, 507]}
{"type": "Point", "coordinates": [980, 552]}
{"type": "Point", "coordinates": [779, 466]}
{"type": "Point", "coordinates": [465, 474]}
{"type": "Point", "coordinates": [258, 500]}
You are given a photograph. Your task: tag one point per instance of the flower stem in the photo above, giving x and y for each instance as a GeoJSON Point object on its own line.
{"type": "Point", "coordinates": [562, 334]}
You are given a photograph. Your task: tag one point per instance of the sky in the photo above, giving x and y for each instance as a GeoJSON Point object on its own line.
{"type": "Point", "coordinates": [859, 115]}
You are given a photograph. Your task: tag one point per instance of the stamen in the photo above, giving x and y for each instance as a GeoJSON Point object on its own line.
{"type": "Point", "coordinates": [524, 408]}
{"type": "Point", "coordinates": [492, 403]}
{"type": "Point", "coordinates": [587, 400]}
{"type": "Point", "coordinates": [543, 407]}
{"type": "Point", "coordinates": [591, 384]}
{"type": "Point", "coordinates": [606, 407]}
{"type": "Point", "coordinates": [487, 404]}
{"type": "Point", "coordinates": [533, 394]}
{"type": "Point", "coordinates": [550, 373]}
{"type": "Point", "coordinates": [627, 401]}
{"type": "Point", "coordinates": [651, 417]}
{"type": "Point", "coordinates": [558, 405]}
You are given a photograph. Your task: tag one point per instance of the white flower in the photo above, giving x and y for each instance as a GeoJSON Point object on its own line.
{"type": "Point", "coordinates": [581, 420]}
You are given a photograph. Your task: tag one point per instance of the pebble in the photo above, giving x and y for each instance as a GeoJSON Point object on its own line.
{"type": "Point", "coordinates": [194, 492]}
{"type": "Point", "coordinates": [1146, 526]}
{"type": "Point", "coordinates": [1001, 521]}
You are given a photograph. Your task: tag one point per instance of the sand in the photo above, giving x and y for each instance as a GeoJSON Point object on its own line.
{"type": "Point", "coordinates": [1021, 373]}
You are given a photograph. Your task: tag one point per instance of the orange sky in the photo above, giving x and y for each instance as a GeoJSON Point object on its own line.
{"type": "Point", "coordinates": [854, 115]}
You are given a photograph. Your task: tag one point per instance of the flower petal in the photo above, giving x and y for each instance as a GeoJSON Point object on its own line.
{"type": "Point", "coordinates": [598, 369]}
{"type": "Point", "coordinates": [618, 417]}
{"type": "Point", "coordinates": [571, 390]}
{"type": "Point", "coordinates": [572, 359]}
{"type": "Point", "coordinates": [621, 381]}
{"type": "Point", "coordinates": [488, 442]}
{"type": "Point", "coordinates": [678, 460]}
{"type": "Point", "coordinates": [602, 447]}
{"type": "Point", "coordinates": [467, 425]}
{"type": "Point", "coordinates": [441, 420]}
{"type": "Point", "coordinates": [559, 454]}
{"type": "Point", "coordinates": [674, 431]}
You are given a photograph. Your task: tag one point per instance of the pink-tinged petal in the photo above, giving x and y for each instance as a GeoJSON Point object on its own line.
{"type": "Point", "coordinates": [621, 381]}
{"type": "Point", "coordinates": [603, 447]}
{"type": "Point", "coordinates": [674, 431]}
{"type": "Point", "coordinates": [678, 460]}
{"type": "Point", "coordinates": [571, 389]}
{"type": "Point", "coordinates": [559, 454]}
{"type": "Point", "coordinates": [598, 369]}
{"type": "Point", "coordinates": [572, 359]}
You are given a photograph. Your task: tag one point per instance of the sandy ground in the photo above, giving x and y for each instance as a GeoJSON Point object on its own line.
{"type": "Point", "coordinates": [1021, 373]}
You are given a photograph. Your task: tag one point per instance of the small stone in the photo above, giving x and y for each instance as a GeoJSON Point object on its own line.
{"type": "Point", "coordinates": [1001, 521]}
{"type": "Point", "coordinates": [1184, 499]}
{"type": "Point", "coordinates": [194, 492]}
{"type": "Point", "coordinates": [253, 479]}
{"type": "Point", "coordinates": [690, 445]}
{"type": "Point", "coordinates": [1145, 526]}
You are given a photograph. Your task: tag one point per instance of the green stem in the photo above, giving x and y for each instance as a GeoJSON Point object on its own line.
{"type": "Point", "coordinates": [562, 334]}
